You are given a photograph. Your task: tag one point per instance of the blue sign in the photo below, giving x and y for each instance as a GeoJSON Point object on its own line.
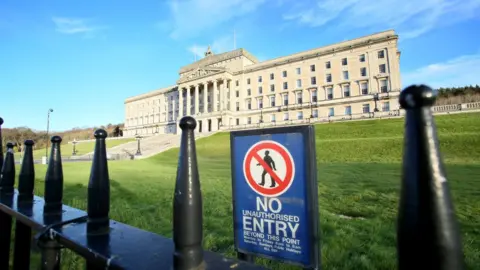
{"type": "Point", "coordinates": [275, 194]}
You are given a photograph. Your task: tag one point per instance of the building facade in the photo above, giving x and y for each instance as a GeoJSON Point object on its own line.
{"type": "Point", "coordinates": [353, 78]}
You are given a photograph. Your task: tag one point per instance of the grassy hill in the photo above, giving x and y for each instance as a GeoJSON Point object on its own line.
{"type": "Point", "coordinates": [81, 148]}
{"type": "Point", "coordinates": [359, 170]}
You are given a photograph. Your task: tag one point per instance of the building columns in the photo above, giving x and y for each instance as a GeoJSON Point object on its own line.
{"type": "Point", "coordinates": [189, 102]}
{"type": "Point", "coordinates": [197, 98]}
{"type": "Point", "coordinates": [205, 97]}
{"type": "Point", "coordinates": [214, 99]}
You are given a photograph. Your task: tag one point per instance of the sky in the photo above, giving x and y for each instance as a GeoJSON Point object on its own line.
{"type": "Point", "coordinates": [84, 58]}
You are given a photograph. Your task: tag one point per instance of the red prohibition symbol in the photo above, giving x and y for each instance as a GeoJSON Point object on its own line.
{"type": "Point", "coordinates": [277, 165]}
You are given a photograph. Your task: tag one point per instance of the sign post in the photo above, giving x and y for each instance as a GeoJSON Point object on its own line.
{"type": "Point", "coordinates": [275, 198]}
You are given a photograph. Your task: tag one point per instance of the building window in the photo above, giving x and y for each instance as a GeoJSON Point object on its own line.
{"type": "Point", "coordinates": [361, 58]}
{"type": "Point", "coordinates": [299, 115]}
{"type": "Point", "coordinates": [285, 85]}
{"type": "Point", "coordinates": [237, 105]}
{"type": "Point", "coordinates": [328, 65]}
{"type": "Point", "coordinates": [284, 73]}
{"type": "Point", "coordinates": [285, 99]}
{"type": "Point", "coordinates": [314, 96]}
{"type": "Point", "coordinates": [236, 83]}
{"type": "Point", "coordinates": [249, 120]}
{"type": "Point", "coordinates": [299, 97]}
{"type": "Point", "coordinates": [285, 116]}
{"type": "Point", "coordinates": [313, 80]}
{"type": "Point", "coordinates": [366, 108]}
{"type": "Point", "coordinates": [386, 106]}
{"type": "Point", "coordinates": [299, 83]}
{"type": "Point", "coordinates": [383, 86]}
{"type": "Point", "coordinates": [260, 103]}
{"type": "Point", "coordinates": [330, 93]}
{"type": "Point", "coordinates": [331, 111]}
{"type": "Point", "coordinates": [249, 104]}
{"type": "Point", "coordinates": [272, 101]}
{"type": "Point", "coordinates": [381, 54]}
{"type": "Point", "coordinates": [272, 76]}
{"type": "Point", "coordinates": [272, 117]}
{"type": "Point", "coordinates": [272, 88]}
{"type": "Point", "coordinates": [345, 75]}
{"type": "Point", "coordinates": [259, 78]}
{"type": "Point", "coordinates": [364, 88]}
{"type": "Point", "coordinates": [237, 93]}
{"type": "Point", "coordinates": [315, 113]}
{"type": "Point", "coordinates": [328, 78]}
{"type": "Point", "coordinates": [238, 121]}
{"type": "Point", "coordinates": [344, 62]}
{"type": "Point", "coordinates": [299, 71]}
{"type": "Point", "coordinates": [312, 68]}
{"type": "Point", "coordinates": [260, 90]}
{"type": "Point", "coordinates": [363, 71]}
{"type": "Point", "coordinates": [348, 110]}
{"type": "Point", "coordinates": [382, 68]}
{"type": "Point", "coordinates": [249, 92]}
{"type": "Point", "coordinates": [346, 90]}
{"type": "Point", "coordinates": [248, 81]}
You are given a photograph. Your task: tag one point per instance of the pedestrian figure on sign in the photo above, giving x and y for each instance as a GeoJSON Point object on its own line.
{"type": "Point", "coordinates": [270, 163]}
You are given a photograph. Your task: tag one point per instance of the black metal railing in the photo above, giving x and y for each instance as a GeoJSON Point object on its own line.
{"type": "Point", "coordinates": [92, 234]}
{"type": "Point", "coordinates": [427, 232]}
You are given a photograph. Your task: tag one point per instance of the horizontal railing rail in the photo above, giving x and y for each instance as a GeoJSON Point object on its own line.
{"type": "Point", "coordinates": [427, 230]}
{"type": "Point", "coordinates": [104, 243]}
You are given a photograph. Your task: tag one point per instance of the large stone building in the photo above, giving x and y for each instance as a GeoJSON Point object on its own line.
{"type": "Point", "coordinates": [350, 79]}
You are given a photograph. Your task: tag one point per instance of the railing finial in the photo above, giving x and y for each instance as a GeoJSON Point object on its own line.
{"type": "Point", "coordinates": [7, 178]}
{"type": "Point", "coordinates": [54, 179]}
{"type": "Point", "coordinates": [26, 178]}
{"type": "Point", "coordinates": [427, 233]}
{"type": "Point", "coordinates": [98, 204]}
{"type": "Point", "coordinates": [187, 203]}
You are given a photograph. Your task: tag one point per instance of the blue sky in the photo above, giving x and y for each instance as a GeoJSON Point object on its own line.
{"type": "Point", "coordinates": [83, 58]}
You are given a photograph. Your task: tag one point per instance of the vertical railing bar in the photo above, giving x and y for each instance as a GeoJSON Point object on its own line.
{"type": "Point", "coordinates": [98, 203]}
{"type": "Point", "coordinates": [51, 249]}
{"type": "Point", "coordinates": [23, 233]}
{"type": "Point", "coordinates": [7, 180]}
{"type": "Point", "coordinates": [427, 233]}
{"type": "Point", "coordinates": [1, 145]}
{"type": "Point", "coordinates": [187, 204]}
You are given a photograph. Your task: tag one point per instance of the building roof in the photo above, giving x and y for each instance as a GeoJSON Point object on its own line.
{"type": "Point", "coordinates": [150, 94]}
{"type": "Point", "coordinates": [336, 47]}
{"type": "Point", "coordinates": [215, 58]}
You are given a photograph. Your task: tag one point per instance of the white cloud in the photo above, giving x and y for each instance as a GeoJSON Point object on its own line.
{"type": "Point", "coordinates": [459, 71]}
{"type": "Point", "coordinates": [75, 26]}
{"type": "Point", "coordinates": [410, 18]}
{"type": "Point", "coordinates": [192, 17]}
{"type": "Point", "coordinates": [219, 45]}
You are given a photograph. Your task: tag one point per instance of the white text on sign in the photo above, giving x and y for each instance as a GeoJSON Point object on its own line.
{"type": "Point", "coordinates": [268, 228]}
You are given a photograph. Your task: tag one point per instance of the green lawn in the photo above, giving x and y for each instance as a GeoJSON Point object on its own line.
{"type": "Point", "coordinates": [359, 169]}
{"type": "Point", "coordinates": [82, 148]}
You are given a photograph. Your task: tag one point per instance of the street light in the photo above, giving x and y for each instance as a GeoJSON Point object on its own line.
{"type": "Point", "coordinates": [74, 150]}
{"type": "Point", "coordinates": [139, 153]}
{"type": "Point", "coordinates": [48, 127]}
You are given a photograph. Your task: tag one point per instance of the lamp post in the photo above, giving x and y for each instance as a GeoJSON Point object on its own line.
{"type": "Point", "coordinates": [138, 137]}
{"type": "Point", "coordinates": [48, 127]}
{"type": "Point", "coordinates": [74, 150]}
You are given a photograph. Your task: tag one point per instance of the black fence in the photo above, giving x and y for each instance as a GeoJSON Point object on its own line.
{"type": "Point", "coordinates": [427, 232]}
